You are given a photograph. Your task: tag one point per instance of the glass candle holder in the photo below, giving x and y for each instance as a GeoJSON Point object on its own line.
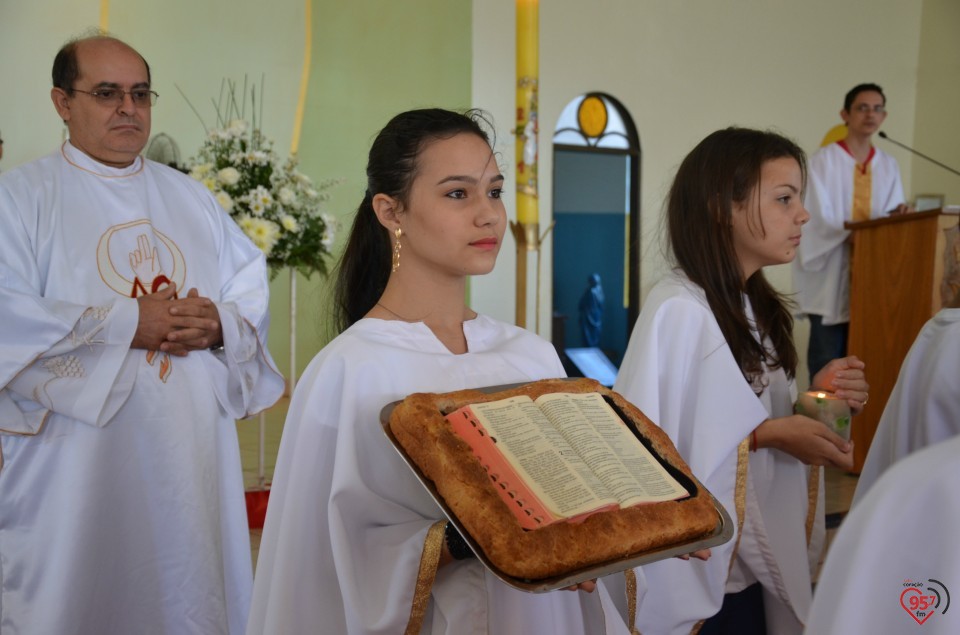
{"type": "Point", "coordinates": [826, 407]}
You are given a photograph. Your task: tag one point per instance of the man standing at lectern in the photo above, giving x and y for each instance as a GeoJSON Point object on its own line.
{"type": "Point", "coordinates": [850, 180]}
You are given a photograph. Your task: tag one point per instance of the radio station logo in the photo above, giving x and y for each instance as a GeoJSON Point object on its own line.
{"type": "Point", "coordinates": [922, 600]}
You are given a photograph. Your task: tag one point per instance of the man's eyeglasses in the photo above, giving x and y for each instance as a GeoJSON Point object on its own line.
{"type": "Point", "coordinates": [142, 98]}
{"type": "Point", "coordinates": [865, 108]}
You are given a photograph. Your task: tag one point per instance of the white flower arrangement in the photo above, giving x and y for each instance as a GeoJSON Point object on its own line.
{"type": "Point", "coordinates": [278, 207]}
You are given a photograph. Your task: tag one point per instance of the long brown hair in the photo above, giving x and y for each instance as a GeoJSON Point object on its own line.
{"type": "Point", "coordinates": [364, 268]}
{"type": "Point", "coordinates": [723, 170]}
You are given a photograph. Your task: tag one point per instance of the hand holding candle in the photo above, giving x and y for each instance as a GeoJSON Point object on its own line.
{"type": "Point", "coordinates": [826, 407]}
{"type": "Point", "coordinates": [845, 378]}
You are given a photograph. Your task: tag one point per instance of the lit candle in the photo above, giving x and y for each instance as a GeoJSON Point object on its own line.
{"type": "Point", "coordinates": [528, 69]}
{"type": "Point", "coordinates": [826, 407]}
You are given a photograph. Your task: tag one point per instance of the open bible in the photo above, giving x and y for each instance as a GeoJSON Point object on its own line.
{"type": "Point", "coordinates": [562, 457]}
{"type": "Point", "coordinates": [585, 454]}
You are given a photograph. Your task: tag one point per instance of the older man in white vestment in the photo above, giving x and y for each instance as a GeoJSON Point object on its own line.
{"type": "Point", "coordinates": [135, 318]}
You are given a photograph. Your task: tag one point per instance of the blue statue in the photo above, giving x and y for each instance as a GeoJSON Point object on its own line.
{"type": "Point", "coordinates": [591, 311]}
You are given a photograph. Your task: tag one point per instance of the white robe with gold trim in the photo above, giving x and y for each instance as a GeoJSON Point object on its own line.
{"type": "Point", "coordinates": [347, 519]}
{"type": "Point", "coordinates": [680, 372]}
{"type": "Point", "coordinates": [821, 271]}
{"type": "Point", "coordinates": [121, 493]}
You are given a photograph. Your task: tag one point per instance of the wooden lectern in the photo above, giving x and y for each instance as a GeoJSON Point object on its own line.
{"type": "Point", "coordinates": [896, 269]}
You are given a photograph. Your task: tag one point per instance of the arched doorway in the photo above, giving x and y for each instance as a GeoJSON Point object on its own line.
{"type": "Point", "coordinates": [596, 207]}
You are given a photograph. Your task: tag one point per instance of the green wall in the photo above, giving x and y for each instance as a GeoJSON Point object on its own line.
{"type": "Point", "coordinates": [370, 59]}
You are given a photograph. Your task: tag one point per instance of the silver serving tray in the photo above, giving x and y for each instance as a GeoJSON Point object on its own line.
{"type": "Point", "coordinates": [720, 535]}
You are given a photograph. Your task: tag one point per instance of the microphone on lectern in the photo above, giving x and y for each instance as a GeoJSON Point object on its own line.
{"type": "Point", "coordinates": [883, 135]}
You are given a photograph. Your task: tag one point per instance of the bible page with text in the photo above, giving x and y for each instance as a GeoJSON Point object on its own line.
{"type": "Point", "coordinates": [610, 448]}
{"type": "Point", "coordinates": [540, 477]}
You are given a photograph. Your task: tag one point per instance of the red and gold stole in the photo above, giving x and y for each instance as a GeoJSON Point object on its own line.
{"type": "Point", "coordinates": [862, 186]}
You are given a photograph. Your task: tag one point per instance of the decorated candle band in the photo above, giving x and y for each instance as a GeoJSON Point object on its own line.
{"type": "Point", "coordinates": [826, 407]}
{"type": "Point", "coordinates": [527, 127]}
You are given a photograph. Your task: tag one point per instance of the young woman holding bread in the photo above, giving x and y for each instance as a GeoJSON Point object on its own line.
{"type": "Point", "coordinates": [350, 531]}
{"type": "Point", "coordinates": [712, 361]}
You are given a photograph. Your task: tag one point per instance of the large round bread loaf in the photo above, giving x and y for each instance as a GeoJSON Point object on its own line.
{"type": "Point", "coordinates": [419, 426]}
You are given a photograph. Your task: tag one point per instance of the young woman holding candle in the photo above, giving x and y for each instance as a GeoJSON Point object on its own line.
{"type": "Point", "coordinates": [352, 540]}
{"type": "Point", "coordinates": [712, 361]}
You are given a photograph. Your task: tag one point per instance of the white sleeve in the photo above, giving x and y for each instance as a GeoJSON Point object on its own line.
{"type": "Point", "coordinates": [891, 192]}
{"type": "Point", "coordinates": [680, 373]}
{"type": "Point", "coordinates": [86, 376]}
{"type": "Point", "coordinates": [343, 540]}
{"type": "Point", "coordinates": [824, 200]}
{"type": "Point", "coordinates": [246, 379]}
{"type": "Point", "coordinates": [56, 356]}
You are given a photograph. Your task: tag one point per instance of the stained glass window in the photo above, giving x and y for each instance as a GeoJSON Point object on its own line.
{"type": "Point", "coordinates": [592, 120]}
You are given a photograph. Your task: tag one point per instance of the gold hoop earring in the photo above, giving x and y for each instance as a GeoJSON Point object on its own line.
{"type": "Point", "coordinates": [396, 250]}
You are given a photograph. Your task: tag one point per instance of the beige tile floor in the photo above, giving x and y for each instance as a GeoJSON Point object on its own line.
{"type": "Point", "coordinates": [839, 485]}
